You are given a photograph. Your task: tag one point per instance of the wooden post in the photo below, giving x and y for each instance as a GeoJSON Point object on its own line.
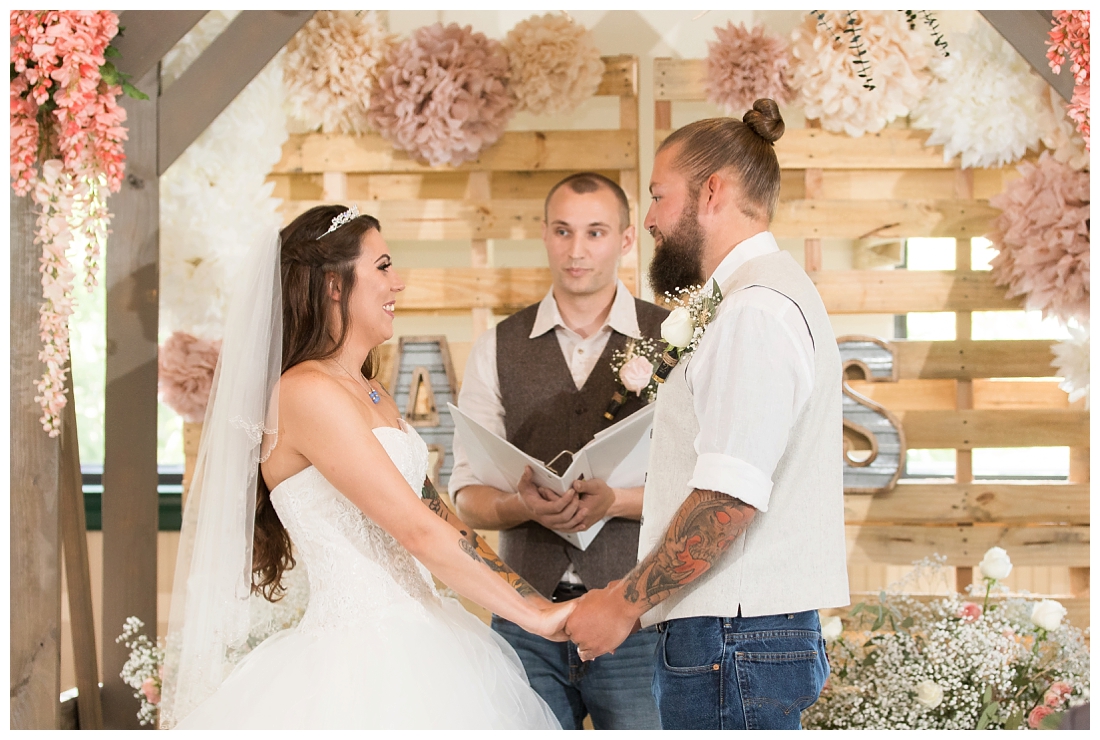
{"type": "Point", "coordinates": [74, 538]}
{"type": "Point", "coordinates": [35, 586]}
{"type": "Point", "coordinates": [130, 464]}
{"type": "Point", "coordinates": [630, 269]}
{"type": "Point", "coordinates": [811, 254]}
{"type": "Point", "coordinates": [479, 187]}
{"type": "Point", "coordinates": [964, 388]}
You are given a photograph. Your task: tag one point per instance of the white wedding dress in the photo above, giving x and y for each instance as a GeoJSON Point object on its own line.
{"type": "Point", "coordinates": [378, 647]}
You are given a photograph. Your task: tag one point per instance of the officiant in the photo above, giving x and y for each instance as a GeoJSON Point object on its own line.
{"type": "Point", "coordinates": [544, 380]}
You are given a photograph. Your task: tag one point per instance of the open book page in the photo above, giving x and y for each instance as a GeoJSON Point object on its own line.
{"type": "Point", "coordinates": [499, 463]}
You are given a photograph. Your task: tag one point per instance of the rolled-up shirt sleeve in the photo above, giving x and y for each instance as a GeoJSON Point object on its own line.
{"type": "Point", "coordinates": [750, 378]}
{"type": "Point", "coordinates": [479, 398]}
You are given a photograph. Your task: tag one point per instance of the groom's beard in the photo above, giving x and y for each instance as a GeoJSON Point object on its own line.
{"type": "Point", "coordinates": [678, 257]}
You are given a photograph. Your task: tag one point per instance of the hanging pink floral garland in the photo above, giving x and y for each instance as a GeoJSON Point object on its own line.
{"type": "Point", "coordinates": [64, 115]}
{"type": "Point", "coordinates": [1069, 41]}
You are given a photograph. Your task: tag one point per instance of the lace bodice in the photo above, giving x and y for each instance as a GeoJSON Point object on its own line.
{"type": "Point", "coordinates": [355, 567]}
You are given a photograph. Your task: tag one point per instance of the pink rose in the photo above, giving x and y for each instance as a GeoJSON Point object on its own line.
{"type": "Point", "coordinates": [149, 688]}
{"type": "Point", "coordinates": [1057, 694]}
{"type": "Point", "coordinates": [970, 612]}
{"type": "Point", "coordinates": [1038, 714]}
{"type": "Point", "coordinates": [1052, 700]}
{"type": "Point", "coordinates": [636, 373]}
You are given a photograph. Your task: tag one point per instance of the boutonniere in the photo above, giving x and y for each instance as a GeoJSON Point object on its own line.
{"type": "Point", "coordinates": [633, 368]}
{"type": "Point", "coordinates": [684, 327]}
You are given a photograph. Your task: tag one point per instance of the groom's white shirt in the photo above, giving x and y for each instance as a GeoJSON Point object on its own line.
{"type": "Point", "coordinates": [728, 380]}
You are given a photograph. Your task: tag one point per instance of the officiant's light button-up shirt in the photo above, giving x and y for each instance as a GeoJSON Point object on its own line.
{"type": "Point", "coordinates": [750, 377]}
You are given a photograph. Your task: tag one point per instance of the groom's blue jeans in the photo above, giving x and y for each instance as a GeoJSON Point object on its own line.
{"type": "Point", "coordinates": [615, 690]}
{"type": "Point", "coordinates": [739, 673]}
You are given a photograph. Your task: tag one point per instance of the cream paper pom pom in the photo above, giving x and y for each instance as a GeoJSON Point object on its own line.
{"type": "Point", "coordinates": [984, 102]}
{"type": "Point", "coordinates": [442, 96]}
{"type": "Point", "coordinates": [744, 66]}
{"type": "Point", "coordinates": [1060, 132]}
{"type": "Point", "coordinates": [827, 81]}
{"type": "Point", "coordinates": [1071, 360]}
{"type": "Point", "coordinates": [555, 64]}
{"type": "Point", "coordinates": [330, 67]}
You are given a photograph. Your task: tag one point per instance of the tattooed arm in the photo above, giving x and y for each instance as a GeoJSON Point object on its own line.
{"type": "Point", "coordinates": [475, 546]}
{"type": "Point", "coordinates": [702, 529]}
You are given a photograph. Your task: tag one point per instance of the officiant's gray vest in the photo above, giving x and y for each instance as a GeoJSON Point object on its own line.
{"type": "Point", "coordinates": [544, 413]}
{"type": "Point", "coordinates": [792, 557]}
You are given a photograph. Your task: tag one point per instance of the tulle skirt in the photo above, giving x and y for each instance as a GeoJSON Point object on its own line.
{"type": "Point", "coordinates": [417, 666]}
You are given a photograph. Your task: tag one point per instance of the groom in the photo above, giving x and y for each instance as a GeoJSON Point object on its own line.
{"type": "Point", "coordinates": [743, 528]}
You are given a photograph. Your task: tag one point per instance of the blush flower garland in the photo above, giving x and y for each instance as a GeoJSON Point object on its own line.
{"type": "Point", "coordinates": [744, 66]}
{"type": "Point", "coordinates": [555, 64]}
{"type": "Point", "coordinates": [64, 114]}
{"type": "Point", "coordinates": [443, 94]}
{"type": "Point", "coordinates": [1042, 238]}
{"type": "Point", "coordinates": [1060, 133]}
{"type": "Point", "coordinates": [1069, 41]}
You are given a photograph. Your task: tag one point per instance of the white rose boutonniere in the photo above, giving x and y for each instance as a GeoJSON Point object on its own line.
{"type": "Point", "coordinates": [678, 329]}
{"type": "Point", "coordinates": [684, 327]}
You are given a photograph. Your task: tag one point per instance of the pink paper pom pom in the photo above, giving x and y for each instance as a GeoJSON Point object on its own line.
{"type": "Point", "coordinates": [186, 366]}
{"type": "Point", "coordinates": [744, 66]}
{"type": "Point", "coordinates": [1042, 236]}
{"type": "Point", "coordinates": [442, 96]}
{"type": "Point", "coordinates": [555, 64]}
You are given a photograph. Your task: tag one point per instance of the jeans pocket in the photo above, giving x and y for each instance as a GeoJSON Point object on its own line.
{"type": "Point", "coordinates": [686, 650]}
{"type": "Point", "coordinates": [780, 681]}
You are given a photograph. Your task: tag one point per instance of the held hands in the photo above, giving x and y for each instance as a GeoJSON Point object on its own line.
{"type": "Point", "coordinates": [601, 621]}
{"type": "Point", "coordinates": [550, 620]}
{"type": "Point", "coordinates": [586, 503]}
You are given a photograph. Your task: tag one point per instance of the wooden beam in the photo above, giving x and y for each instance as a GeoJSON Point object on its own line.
{"type": "Point", "coordinates": [213, 80]}
{"type": "Point", "coordinates": [1012, 358]}
{"type": "Point", "coordinates": [149, 35]}
{"type": "Point", "coordinates": [610, 149]}
{"type": "Point", "coordinates": [927, 395]}
{"type": "Point", "coordinates": [903, 291]}
{"type": "Point", "coordinates": [1027, 31]}
{"type": "Point", "coordinates": [620, 76]}
{"type": "Point", "coordinates": [78, 577]}
{"type": "Point", "coordinates": [984, 502]}
{"type": "Point", "coordinates": [34, 570]}
{"type": "Point", "coordinates": [966, 430]}
{"type": "Point", "coordinates": [130, 415]}
{"type": "Point", "coordinates": [900, 185]}
{"type": "Point", "coordinates": [904, 544]}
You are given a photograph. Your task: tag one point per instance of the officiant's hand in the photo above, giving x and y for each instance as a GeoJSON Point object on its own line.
{"type": "Point", "coordinates": [546, 507]}
{"type": "Point", "coordinates": [601, 621]}
{"type": "Point", "coordinates": [596, 499]}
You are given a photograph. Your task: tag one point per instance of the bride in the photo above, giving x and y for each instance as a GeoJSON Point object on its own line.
{"type": "Point", "coordinates": [301, 445]}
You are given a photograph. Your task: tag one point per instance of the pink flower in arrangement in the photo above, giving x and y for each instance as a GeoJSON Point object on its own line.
{"type": "Point", "coordinates": [1057, 694]}
{"type": "Point", "coordinates": [636, 373]}
{"type": "Point", "coordinates": [970, 612]}
{"type": "Point", "coordinates": [151, 691]}
{"type": "Point", "coordinates": [1038, 714]}
{"type": "Point", "coordinates": [1069, 42]}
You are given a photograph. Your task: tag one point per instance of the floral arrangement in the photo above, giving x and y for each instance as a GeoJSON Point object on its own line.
{"type": "Point", "coordinates": [143, 671]}
{"type": "Point", "coordinates": [215, 201]}
{"type": "Point", "coordinates": [982, 102]}
{"type": "Point", "coordinates": [744, 66]}
{"type": "Point", "coordinates": [1069, 41]}
{"type": "Point", "coordinates": [555, 64]}
{"type": "Point", "coordinates": [443, 95]}
{"type": "Point", "coordinates": [185, 365]}
{"type": "Point", "coordinates": [693, 309]}
{"type": "Point", "coordinates": [1042, 237]}
{"type": "Point", "coordinates": [66, 152]}
{"type": "Point", "coordinates": [1059, 133]}
{"type": "Point", "coordinates": [633, 368]}
{"type": "Point", "coordinates": [331, 65]}
{"type": "Point", "coordinates": [1071, 360]}
{"type": "Point", "coordinates": [955, 662]}
{"type": "Point", "coordinates": [838, 92]}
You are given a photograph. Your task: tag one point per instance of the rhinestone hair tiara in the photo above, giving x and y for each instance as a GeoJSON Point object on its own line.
{"type": "Point", "coordinates": [347, 216]}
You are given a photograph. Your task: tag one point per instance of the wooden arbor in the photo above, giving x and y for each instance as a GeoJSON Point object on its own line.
{"type": "Point", "coordinates": [959, 394]}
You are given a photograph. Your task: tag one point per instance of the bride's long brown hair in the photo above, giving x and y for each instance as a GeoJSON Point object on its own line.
{"type": "Point", "coordinates": [310, 332]}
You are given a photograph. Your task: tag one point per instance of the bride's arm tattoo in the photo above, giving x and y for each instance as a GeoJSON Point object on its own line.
{"type": "Point", "coordinates": [472, 544]}
{"type": "Point", "coordinates": [703, 528]}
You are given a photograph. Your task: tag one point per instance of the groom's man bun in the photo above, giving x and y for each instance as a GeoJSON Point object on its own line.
{"type": "Point", "coordinates": [745, 146]}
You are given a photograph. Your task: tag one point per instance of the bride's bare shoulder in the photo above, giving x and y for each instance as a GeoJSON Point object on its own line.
{"type": "Point", "coordinates": [309, 382]}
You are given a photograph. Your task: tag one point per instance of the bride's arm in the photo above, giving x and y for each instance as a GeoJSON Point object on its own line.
{"type": "Point", "coordinates": [321, 421]}
{"type": "Point", "coordinates": [476, 545]}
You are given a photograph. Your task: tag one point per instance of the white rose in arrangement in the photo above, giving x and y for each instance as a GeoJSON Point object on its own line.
{"type": "Point", "coordinates": [677, 329]}
{"type": "Point", "coordinates": [1048, 615]}
{"type": "Point", "coordinates": [995, 564]}
{"type": "Point", "coordinates": [636, 373]}
{"type": "Point", "coordinates": [929, 693]}
{"type": "Point", "coordinates": [831, 627]}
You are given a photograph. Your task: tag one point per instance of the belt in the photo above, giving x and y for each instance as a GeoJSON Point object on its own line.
{"type": "Point", "coordinates": [568, 591]}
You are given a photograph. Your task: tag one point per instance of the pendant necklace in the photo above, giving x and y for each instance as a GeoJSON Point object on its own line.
{"type": "Point", "coordinates": [371, 392]}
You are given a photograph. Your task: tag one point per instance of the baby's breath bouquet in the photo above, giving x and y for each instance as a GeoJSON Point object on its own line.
{"type": "Point", "coordinates": [974, 661]}
{"type": "Point", "coordinates": [143, 671]}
